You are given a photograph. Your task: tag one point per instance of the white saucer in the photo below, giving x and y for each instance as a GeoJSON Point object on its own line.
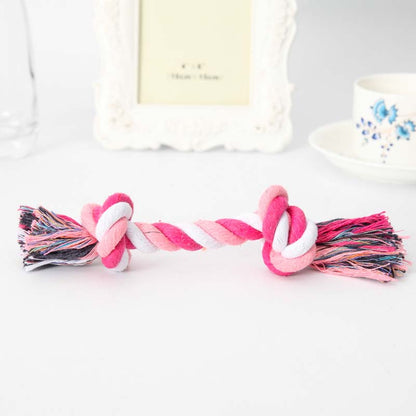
{"type": "Point", "coordinates": [334, 142]}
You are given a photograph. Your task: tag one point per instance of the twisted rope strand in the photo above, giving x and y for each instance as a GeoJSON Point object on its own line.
{"type": "Point", "coordinates": [202, 234]}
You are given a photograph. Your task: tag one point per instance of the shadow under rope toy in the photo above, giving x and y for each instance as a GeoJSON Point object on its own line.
{"type": "Point", "coordinates": [362, 247]}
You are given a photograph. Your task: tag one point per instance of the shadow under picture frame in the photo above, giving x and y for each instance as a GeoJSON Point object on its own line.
{"type": "Point", "coordinates": [192, 75]}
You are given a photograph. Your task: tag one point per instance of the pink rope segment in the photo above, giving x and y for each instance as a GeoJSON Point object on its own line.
{"type": "Point", "coordinates": [169, 237]}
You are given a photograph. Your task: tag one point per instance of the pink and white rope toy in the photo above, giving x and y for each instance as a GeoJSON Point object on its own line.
{"type": "Point", "coordinates": [364, 247]}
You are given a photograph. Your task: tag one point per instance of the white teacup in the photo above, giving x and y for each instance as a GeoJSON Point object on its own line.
{"type": "Point", "coordinates": [384, 115]}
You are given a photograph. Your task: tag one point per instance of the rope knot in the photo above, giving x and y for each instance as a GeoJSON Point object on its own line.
{"type": "Point", "coordinates": [289, 238]}
{"type": "Point", "coordinates": [108, 224]}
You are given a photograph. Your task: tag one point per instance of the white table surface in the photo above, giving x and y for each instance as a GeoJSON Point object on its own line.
{"type": "Point", "coordinates": [200, 333]}
{"type": "Point", "coordinates": [206, 333]}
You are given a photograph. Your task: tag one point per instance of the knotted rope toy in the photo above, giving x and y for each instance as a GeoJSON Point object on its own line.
{"type": "Point", "coordinates": [363, 247]}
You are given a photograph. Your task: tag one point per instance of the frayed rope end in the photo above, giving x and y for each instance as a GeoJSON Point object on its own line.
{"type": "Point", "coordinates": [362, 247]}
{"type": "Point", "coordinates": [49, 239]}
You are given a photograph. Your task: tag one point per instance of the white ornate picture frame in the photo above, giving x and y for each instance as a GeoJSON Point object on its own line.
{"type": "Point", "coordinates": [264, 124]}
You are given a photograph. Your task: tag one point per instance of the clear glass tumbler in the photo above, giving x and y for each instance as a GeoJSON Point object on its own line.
{"type": "Point", "coordinates": [18, 100]}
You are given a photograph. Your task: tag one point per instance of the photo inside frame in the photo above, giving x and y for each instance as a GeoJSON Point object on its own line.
{"type": "Point", "coordinates": [194, 52]}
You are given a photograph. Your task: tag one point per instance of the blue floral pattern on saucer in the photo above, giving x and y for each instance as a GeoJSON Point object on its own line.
{"type": "Point", "coordinates": [385, 127]}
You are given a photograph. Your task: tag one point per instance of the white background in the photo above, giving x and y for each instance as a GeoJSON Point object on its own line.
{"type": "Point", "coordinates": [207, 333]}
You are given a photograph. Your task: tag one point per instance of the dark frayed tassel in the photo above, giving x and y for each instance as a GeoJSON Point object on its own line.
{"type": "Point", "coordinates": [362, 247]}
{"type": "Point", "coordinates": [50, 239]}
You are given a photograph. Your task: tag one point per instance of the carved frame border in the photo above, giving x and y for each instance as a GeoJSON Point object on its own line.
{"type": "Point", "coordinates": [263, 125]}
